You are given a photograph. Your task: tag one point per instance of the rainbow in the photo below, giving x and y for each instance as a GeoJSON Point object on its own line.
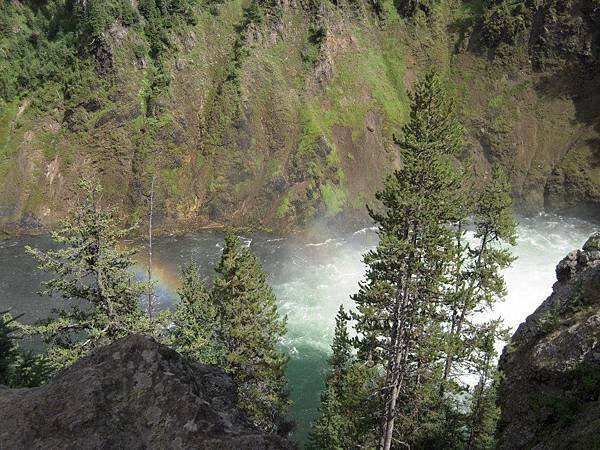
{"type": "Point", "coordinates": [164, 274]}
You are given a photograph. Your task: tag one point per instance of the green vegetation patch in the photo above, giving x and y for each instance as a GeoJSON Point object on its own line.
{"type": "Point", "coordinates": [284, 207]}
{"type": "Point", "coordinates": [48, 141]}
{"type": "Point", "coordinates": [8, 112]}
{"type": "Point", "coordinates": [35, 199]}
{"type": "Point", "coordinates": [582, 170]}
{"type": "Point", "coordinates": [371, 76]}
{"type": "Point", "coordinates": [170, 179]}
{"type": "Point", "coordinates": [496, 101]}
{"type": "Point", "coordinates": [334, 198]}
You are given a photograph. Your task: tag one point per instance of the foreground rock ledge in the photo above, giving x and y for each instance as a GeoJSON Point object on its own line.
{"type": "Point", "coordinates": [551, 388]}
{"type": "Point", "coordinates": [131, 394]}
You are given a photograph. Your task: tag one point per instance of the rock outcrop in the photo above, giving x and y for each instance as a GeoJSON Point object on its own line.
{"type": "Point", "coordinates": [131, 394]}
{"type": "Point", "coordinates": [551, 385]}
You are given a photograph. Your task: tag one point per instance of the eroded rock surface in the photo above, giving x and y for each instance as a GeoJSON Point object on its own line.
{"type": "Point", "coordinates": [551, 387]}
{"type": "Point", "coordinates": [132, 394]}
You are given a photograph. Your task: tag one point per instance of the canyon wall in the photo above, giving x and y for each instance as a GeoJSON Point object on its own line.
{"type": "Point", "coordinates": [274, 114]}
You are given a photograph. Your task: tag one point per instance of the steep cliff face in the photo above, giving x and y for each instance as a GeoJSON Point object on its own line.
{"type": "Point", "coordinates": [540, 117]}
{"type": "Point", "coordinates": [131, 394]}
{"type": "Point", "coordinates": [550, 393]}
{"type": "Point", "coordinates": [277, 113]}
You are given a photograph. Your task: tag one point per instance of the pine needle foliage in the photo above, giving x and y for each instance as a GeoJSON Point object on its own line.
{"type": "Point", "coordinates": [19, 368]}
{"type": "Point", "coordinates": [251, 330]}
{"type": "Point", "coordinates": [331, 430]}
{"type": "Point", "coordinates": [345, 418]}
{"type": "Point", "coordinates": [397, 317]}
{"type": "Point", "coordinates": [8, 350]}
{"type": "Point", "coordinates": [196, 327]}
{"type": "Point", "coordinates": [93, 276]}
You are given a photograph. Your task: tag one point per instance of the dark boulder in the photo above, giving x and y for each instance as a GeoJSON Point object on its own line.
{"type": "Point", "coordinates": [550, 393]}
{"type": "Point", "coordinates": [131, 394]}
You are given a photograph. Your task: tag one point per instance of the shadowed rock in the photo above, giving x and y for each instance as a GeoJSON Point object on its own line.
{"type": "Point", "coordinates": [131, 394]}
{"type": "Point", "coordinates": [551, 388]}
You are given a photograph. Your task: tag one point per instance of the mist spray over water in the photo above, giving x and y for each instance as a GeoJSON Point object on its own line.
{"type": "Point", "coordinates": [314, 278]}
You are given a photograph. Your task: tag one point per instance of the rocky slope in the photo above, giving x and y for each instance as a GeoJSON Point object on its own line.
{"type": "Point", "coordinates": [276, 113]}
{"type": "Point", "coordinates": [131, 394]}
{"type": "Point", "coordinates": [550, 393]}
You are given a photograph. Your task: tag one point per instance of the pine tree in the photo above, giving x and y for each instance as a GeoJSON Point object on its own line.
{"type": "Point", "coordinates": [347, 406]}
{"type": "Point", "coordinates": [484, 412]}
{"type": "Point", "coordinates": [195, 334]}
{"type": "Point", "coordinates": [8, 350]}
{"type": "Point", "coordinates": [30, 370]}
{"type": "Point", "coordinates": [428, 279]}
{"type": "Point", "coordinates": [477, 281]}
{"type": "Point", "coordinates": [332, 428]}
{"type": "Point", "coordinates": [251, 330]}
{"type": "Point", "coordinates": [398, 304]}
{"type": "Point", "coordinates": [484, 416]}
{"type": "Point", "coordinates": [93, 276]}
{"type": "Point", "coordinates": [19, 368]}
{"type": "Point", "coordinates": [341, 351]}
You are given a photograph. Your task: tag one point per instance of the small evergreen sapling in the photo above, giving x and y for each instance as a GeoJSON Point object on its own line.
{"type": "Point", "coordinates": [196, 327]}
{"type": "Point", "coordinates": [8, 350]}
{"type": "Point", "coordinates": [19, 368]}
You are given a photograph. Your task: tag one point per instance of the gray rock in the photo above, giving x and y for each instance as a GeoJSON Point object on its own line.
{"type": "Point", "coordinates": [550, 393]}
{"type": "Point", "coordinates": [593, 243]}
{"type": "Point", "coordinates": [133, 394]}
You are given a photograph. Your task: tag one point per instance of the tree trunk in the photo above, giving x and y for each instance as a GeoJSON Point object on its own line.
{"type": "Point", "coordinates": [150, 213]}
{"type": "Point", "coordinates": [400, 340]}
{"type": "Point", "coordinates": [458, 325]}
{"type": "Point", "coordinates": [390, 417]}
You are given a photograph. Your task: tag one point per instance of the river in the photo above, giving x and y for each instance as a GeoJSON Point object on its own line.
{"type": "Point", "coordinates": [311, 278]}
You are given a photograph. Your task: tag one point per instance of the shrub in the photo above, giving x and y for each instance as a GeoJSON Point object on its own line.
{"type": "Point", "coordinates": [503, 21]}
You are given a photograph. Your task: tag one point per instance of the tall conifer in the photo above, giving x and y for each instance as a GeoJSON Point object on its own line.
{"type": "Point", "coordinates": [442, 246]}
{"type": "Point", "coordinates": [251, 330]}
{"type": "Point", "coordinates": [331, 429]}
{"type": "Point", "coordinates": [397, 304]}
{"type": "Point", "coordinates": [477, 283]}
